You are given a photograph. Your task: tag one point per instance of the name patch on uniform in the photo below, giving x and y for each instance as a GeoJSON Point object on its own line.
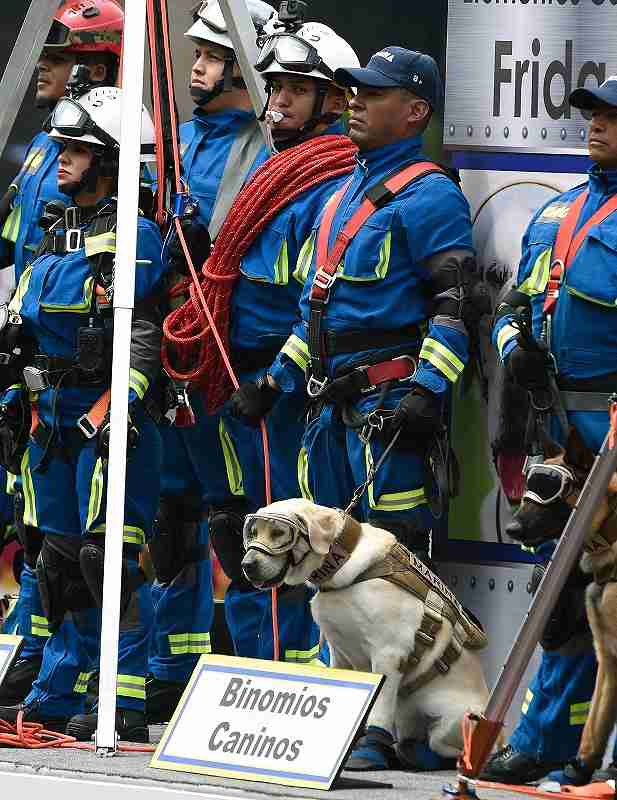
{"type": "Point", "coordinates": [9, 648]}
{"type": "Point", "coordinates": [267, 721]}
{"type": "Point", "coordinates": [554, 212]}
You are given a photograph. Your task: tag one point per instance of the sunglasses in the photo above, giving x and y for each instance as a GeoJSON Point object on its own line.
{"type": "Point", "coordinates": [284, 536]}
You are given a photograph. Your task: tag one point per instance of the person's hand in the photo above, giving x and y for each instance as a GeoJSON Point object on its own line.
{"type": "Point", "coordinates": [530, 367]}
{"type": "Point", "coordinates": [104, 434]}
{"type": "Point", "coordinates": [419, 413]}
{"type": "Point", "coordinates": [197, 239]}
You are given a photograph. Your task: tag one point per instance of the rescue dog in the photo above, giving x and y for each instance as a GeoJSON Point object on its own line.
{"type": "Point", "coordinates": [551, 490]}
{"type": "Point", "coordinates": [372, 624]}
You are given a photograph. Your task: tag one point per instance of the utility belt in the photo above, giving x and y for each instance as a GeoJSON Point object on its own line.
{"type": "Point", "coordinates": [53, 371]}
{"type": "Point", "coordinates": [351, 383]}
{"type": "Point", "coordinates": [587, 394]}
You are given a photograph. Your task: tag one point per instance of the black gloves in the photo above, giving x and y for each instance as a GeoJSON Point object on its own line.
{"type": "Point", "coordinates": [104, 433]}
{"type": "Point", "coordinates": [197, 239]}
{"type": "Point", "coordinates": [253, 401]}
{"type": "Point", "coordinates": [530, 366]}
{"type": "Point", "coordinates": [419, 413]}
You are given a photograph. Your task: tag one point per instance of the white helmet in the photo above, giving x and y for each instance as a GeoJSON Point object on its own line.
{"type": "Point", "coordinates": [313, 51]}
{"type": "Point", "coordinates": [95, 118]}
{"type": "Point", "coordinates": [210, 25]}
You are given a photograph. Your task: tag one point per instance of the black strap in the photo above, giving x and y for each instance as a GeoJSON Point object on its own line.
{"type": "Point", "coordinates": [337, 343]}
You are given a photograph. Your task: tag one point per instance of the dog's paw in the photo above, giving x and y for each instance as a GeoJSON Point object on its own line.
{"type": "Point", "coordinates": [374, 750]}
{"type": "Point", "coordinates": [417, 756]}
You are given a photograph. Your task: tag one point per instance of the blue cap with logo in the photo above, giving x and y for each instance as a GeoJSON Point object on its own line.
{"type": "Point", "coordinates": [604, 95]}
{"type": "Point", "coordinates": [395, 67]}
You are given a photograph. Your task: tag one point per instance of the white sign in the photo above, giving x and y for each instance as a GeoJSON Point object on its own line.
{"type": "Point", "coordinates": [267, 721]}
{"type": "Point", "coordinates": [9, 647]}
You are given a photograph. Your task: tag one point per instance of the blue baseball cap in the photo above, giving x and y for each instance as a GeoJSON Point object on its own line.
{"type": "Point", "coordinates": [604, 95]}
{"type": "Point", "coordinates": [397, 67]}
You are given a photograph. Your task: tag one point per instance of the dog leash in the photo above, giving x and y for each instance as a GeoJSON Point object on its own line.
{"type": "Point", "coordinates": [372, 472]}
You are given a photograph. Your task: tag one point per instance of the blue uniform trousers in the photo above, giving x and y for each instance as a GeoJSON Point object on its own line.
{"type": "Point", "coordinates": [67, 496]}
{"type": "Point", "coordinates": [249, 614]}
{"type": "Point", "coordinates": [33, 625]}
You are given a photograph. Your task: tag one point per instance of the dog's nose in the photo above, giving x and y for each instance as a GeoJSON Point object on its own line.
{"type": "Point", "coordinates": [514, 529]}
{"type": "Point", "coordinates": [249, 565]}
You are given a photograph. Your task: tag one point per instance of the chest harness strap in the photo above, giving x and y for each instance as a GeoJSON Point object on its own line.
{"type": "Point", "coordinates": [328, 261]}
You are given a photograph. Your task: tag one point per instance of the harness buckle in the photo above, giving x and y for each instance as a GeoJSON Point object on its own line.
{"type": "Point", "coordinates": [37, 380]}
{"type": "Point", "coordinates": [323, 281]}
{"type": "Point", "coordinates": [87, 427]}
{"type": "Point", "coordinates": [73, 240]}
{"type": "Point", "coordinates": [315, 387]}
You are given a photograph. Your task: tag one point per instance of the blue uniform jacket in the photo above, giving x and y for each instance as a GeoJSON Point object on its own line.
{"type": "Point", "coordinates": [206, 142]}
{"type": "Point", "coordinates": [54, 300]}
{"type": "Point", "coordinates": [265, 298]}
{"type": "Point", "coordinates": [382, 283]}
{"type": "Point", "coordinates": [37, 184]}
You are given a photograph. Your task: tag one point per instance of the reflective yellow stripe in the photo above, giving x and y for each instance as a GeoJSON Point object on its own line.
{"type": "Point", "coordinates": [133, 535]}
{"type": "Point", "coordinates": [536, 282]}
{"type": "Point", "coordinates": [527, 701]}
{"type": "Point", "coordinates": [138, 382]}
{"type": "Point", "coordinates": [22, 288]}
{"type": "Point", "coordinates": [103, 243]}
{"type": "Point", "coordinates": [302, 656]}
{"type": "Point", "coordinates": [81, 307]}
{"type": "Point", "coordinates": [381, 270]}
{"type": "Point", "coordinates": [442, 358]}
{"type": "Point", "coordinates": [392, 501]}
{"type": "Point", "coordinates": [34, 160]}
{"type": "Point", "coordinates": [81, 684]}
{"type": "Point", "coordinates": [189, 643]}
{"type": "Point", "coordinates": [232, 463]}
{"type": "Point", "coordinates": [505, 335]}
{"type": "Point", "coordinates": [281, 266]}
{"type": "Point", "coordinates": [297, 349]}
{"type": "Point", "coordinates": [131, 686]}
{"type": "Point", "coordinates": [11, 483]}
{"type": "Point", "coordinates": [28, 490]}
{"type": "Point", "coordinates": [96, 493]}
{"type": "Point", "coordinates": [303, 480]}
{"type": "Point", "coordinates": [305, 258]}
{"type": "Point", "coordinates": [39, 626]}
{"type": "Point", "coordinates": [578, 707]}
{"type": "Point", "coordinates": [579, 713]}
{"type": "Point", "coordinates": [10, 229]}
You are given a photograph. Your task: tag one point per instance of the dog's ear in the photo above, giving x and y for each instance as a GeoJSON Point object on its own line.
{"type": "Point", "coordinates": [577, 452]}
{"type": "Point", "coordinates": [324, 525]}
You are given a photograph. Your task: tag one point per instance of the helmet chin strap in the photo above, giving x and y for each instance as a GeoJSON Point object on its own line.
{"type": "Point", "coordinates": [284, 139]}
{"type": "Point", "coordinates": [103, 164]}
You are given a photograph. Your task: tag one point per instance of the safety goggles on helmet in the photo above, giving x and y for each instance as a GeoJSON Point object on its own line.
{"type": "Point", "coordinates": [70, 119]}
{"type": "Point", "coordinates": [282, 538]}
{"type": "Point", "coordinates": [293, 53]}
{"type": "Point", "coordinates": [211, 15]}
{"type": "Point", "coordinates": [546, 483]}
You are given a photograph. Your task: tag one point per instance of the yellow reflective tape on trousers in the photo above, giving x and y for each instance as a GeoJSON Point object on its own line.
{"type": "Point", "coordinates": [131, 686]}
{"type": "Point", "coordinates": [96, 493]}
{"type": "Point", "coordinates": [133, 535]}
{"type": "Point", "coordinates": [138, 382]}
{"type": "Point", "coordinates": [579, 713]}
{"type": "Point", "coordinates": [505, 335]}
{"type": "Point", "coordinates": [11, 483]}
{"type": "Point", "coordinates": [10, 229]}
{"type": "Point", "coordinates": [447, 362]}
{"type": "Point", "coordinates": [297, 349]}
{"type": "Point", "coordinates": [181, 644]}
{"type": "Point", "coordinates": [28, 490]}
{"type": "Point", "coordinates": [303, 481]}
{"type": "Point", "coordinates": [20, 292]}
{"type": "Point", "coordinates": [103, 243]}
{"type": "Point", "coordinates": [302, 656]}
{"type": "Point", "coordinates": [305, 258]}
{"type": "Point", "coordinates": [281, 266]}
{"type": "Point", "coordinates": [392, 501]}
{"type": "Point", "coordinates": [81, 684]}
{"type": "Point", "coordinates": [39, 626]}
{"type": "Point", "coordinates": [232, 462]}
{"type": "Point", "coordinates": [537, 280]}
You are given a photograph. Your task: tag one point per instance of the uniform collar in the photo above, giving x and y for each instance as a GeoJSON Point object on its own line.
{"type": "Point", "coordinates": [391, 156]}
{"type": "Point", "coordinates": [229, 120]}
{"type": "Point", "coordinates": [602, 181]}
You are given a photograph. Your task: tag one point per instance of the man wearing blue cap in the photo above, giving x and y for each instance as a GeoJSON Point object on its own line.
{"type": "Point", "coordinates": [576, 303]}
{"type": "Point", "coordinates": [382, 336]}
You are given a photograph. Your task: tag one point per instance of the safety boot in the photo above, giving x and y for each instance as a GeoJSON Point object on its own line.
{"type": "Point", "coordinates": [162, 698]}
{"type": "Point", "coordinates": [130, 726]}
{"type": "Point", "coordinates": [607, 774]}
{"type": "Point", "coordinates": [509, 766]}
{"type": "Point", "coordinates": [33, 713]}
{"type": "Point", "coordinates": [18, 681]}
{"type": "Point", "coordinates": [374, 750]}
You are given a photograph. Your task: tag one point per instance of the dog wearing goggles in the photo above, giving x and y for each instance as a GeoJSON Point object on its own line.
{"type": "Point", "coordinates": [551, 491]}
{"type": "Point", "coordinates": [370, 624]}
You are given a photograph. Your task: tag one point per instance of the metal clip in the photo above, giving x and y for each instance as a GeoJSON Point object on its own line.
{"type": "Point", "coordinates": [322, 280]}
{"type": "Point", "coordinates": [315, 387]}
{"type": "Point", "coordinates": [73, 236]}
{"type": "Point", "coordinates": [87, 427]}
{"type": "Point", "coordinates": [37, 380]}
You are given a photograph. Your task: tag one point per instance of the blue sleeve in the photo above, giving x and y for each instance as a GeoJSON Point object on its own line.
{"type": "Point", "coordinates": [149, 267]}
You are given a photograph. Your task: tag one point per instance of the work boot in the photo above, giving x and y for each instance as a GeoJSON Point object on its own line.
{"type": "Point", "coordinates": [607, 774]}
{"type": "Point", "coordinates": [417, 756]}
{"type": "Point", "coordinates": [32, 713]}
{"type": "Point", "coordinates": [130, 726]}
{"type": "Point", "coordinates": [162, 698]}
{"type": "Point", "coordinates": [18, 681]}
{"type": "Point", "coordinates": [575, 773]}
{"type": "Point", "coordinates": [374, 750]}
{"type": "Point", "coordinates": [509, 766]}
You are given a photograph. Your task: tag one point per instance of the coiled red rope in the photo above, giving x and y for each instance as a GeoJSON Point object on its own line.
{"type": "Point", "coordinates": [190, 351]}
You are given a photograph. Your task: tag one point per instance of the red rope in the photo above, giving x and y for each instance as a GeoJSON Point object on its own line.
{"type": "Point", "coordinates": [191, 347]}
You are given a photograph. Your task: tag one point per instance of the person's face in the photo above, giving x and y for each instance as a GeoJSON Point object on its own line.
{"type": "Point", "coordinates": [382, 116]}
{"type": "Point", "coordinates": [54, 70]}
{"type": "Point", "coordinates": [294, 97]}
{"type": "Point", "coordinates": [209, 66]}
{"type": "Point", "coordinates": [603, 137]}
{"type": "Point", "coordinates": [74, 160]}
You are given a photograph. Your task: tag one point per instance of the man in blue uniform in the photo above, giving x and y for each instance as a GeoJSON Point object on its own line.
{"type": "Point", "coordinates": [384, 344]}
{"type": "Point", "coordinates": [264, 307]}
{"type": "Point", "coordinates": [63, 346]}
{"type": "Point", "coordinates": [89, 35]}
{"type": "Point", "coordinates": [576, 313]}
{"type": "Point", "coordinates": [220, 145]}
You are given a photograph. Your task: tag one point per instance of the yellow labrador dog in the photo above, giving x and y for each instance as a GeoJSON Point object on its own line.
{"type": "Point", "coordinates": [419, 638]}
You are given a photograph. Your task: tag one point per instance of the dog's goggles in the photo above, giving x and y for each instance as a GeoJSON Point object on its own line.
{"type": "Point", "coordinates": [546, 483]}
{"type": "Point", "coordinates": [283, 536]}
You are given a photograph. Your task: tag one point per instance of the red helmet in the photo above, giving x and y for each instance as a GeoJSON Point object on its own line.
{"type": "Point", "coordinates": [88, 26]}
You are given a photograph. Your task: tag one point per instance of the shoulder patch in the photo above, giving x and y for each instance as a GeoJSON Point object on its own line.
{"type": "Point", "coordinates": [555, 212]}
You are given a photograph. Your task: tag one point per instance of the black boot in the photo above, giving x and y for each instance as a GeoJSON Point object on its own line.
{"type": "Point", "coordinates": [130, 726]}
{"type": "Point", "coordinates": [32, 713]}
{"type": "Point", "coordinates": [162, 697]}
{"type": "Point", "coordinates": [18, 681]}
{"type": "Point", "coordinates": [607, 774]}
{"type": "Point", "coordinates": [374, 750]}
{"type": "Point", "coordinates": [509, 766]}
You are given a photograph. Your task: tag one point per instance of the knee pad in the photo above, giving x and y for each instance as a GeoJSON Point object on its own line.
{"type": "Point", "coordinates": [411, 534]}
{"type": "Point", "coordinates": [568, 618]}
{"type": "Point", "coordinates": [225, 528]}
{"type": "Point", "coordinates": [174, 542]}
{"type": "Point", "coordinates": [61, 585]}
{"type": "Point", "coordinates": [92, 564]}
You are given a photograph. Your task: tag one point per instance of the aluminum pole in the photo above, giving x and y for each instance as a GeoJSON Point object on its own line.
{"type": "Point", "coordinates": [242, 33]}
{"type": "Point", "coordinates": [124, 291]}
{"type": "Point", "coordinates": [19, 69]}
